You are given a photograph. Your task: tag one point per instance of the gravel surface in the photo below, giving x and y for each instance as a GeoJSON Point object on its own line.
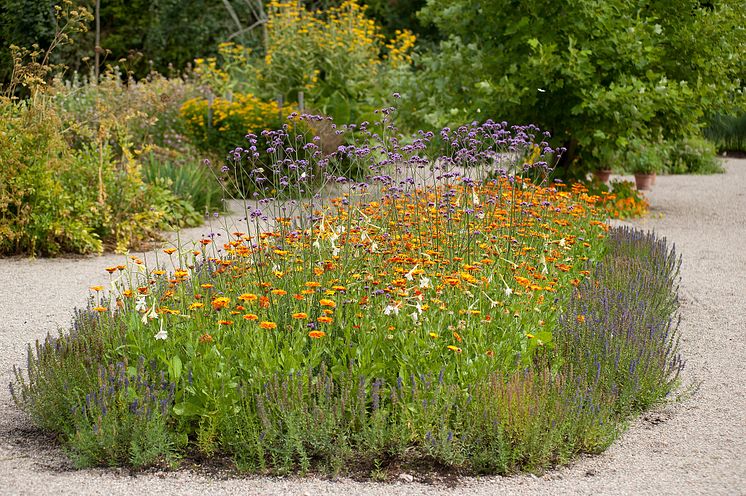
{"type": "Point", "coordinates": [695, 444]}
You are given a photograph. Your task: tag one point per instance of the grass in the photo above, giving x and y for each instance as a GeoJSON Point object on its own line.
{"type": "Point", "coordinates": [455, 311]}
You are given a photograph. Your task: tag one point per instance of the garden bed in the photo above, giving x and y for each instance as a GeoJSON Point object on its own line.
{"type": "Point", "coordinates": [488, 323]}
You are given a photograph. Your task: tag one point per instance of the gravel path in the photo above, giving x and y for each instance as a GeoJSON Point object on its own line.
{"type": "Point", "coordinates": [695, 444]}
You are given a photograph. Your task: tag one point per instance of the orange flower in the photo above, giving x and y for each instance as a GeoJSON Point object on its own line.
{"type": "Point", "coordinates": [300, 315]}
{"type": "Point", "coordinates": [100, 309]}
{"type": "Point", "coordinates": [457, 337]}
{"type": "Point", "coordinates": [248, 297]}
{"type": "Point", "coordinates": [454, 349]}
{"type": "Point", "coordinates": [206, 286]}
{"type": "Point", "coordinates": [263, 302]}
{"type": "Point", "coordinates": [225, 322]}
{"type": "Point", "coordinates": [196, 305]}
{"type": "Point", "coordinates": [268, 325]}
{"type": "Point", "coordinates": [110, 269]}
{"type": "Point", "coordinates": [251, 316]}
{"type": "Point", "coordinates": [327, 303]}
{"type": "Point", "coordinates": [325, 320]}
{"type": "Point", "coordinates": [220, 303]}
{"type": "Point", "coordinates": [169, 251]}
{"type": "Point", "coordinates": [205, 338]}
{"type": "Point", "coordinates": [279, 292]}
{"type": "Point", "coordinates": [581, 319]}
{"type": "Point", "coordinates": [313, 284]}
{"type": "Point", "coordinates": [97, 288]}
{"type": "Point", "coordinates": [316, 334]}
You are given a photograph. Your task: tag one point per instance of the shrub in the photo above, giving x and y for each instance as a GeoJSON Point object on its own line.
{"type": "Point", "coordinates": [587, 71]}
{"type": "Point", "coordinates": [38, 215]}
{"type": "Point", "coordinates": [693, 155]}
{"type": "Point", "coordinates": [221, 124]}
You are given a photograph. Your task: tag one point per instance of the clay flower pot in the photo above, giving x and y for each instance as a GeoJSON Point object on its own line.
{"type": "Point", "coordinates": [602, 175]}
{"type": "Point", "coordinates": [643, 182]}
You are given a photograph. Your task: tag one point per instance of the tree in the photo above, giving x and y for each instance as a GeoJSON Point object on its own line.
{"type": "Point", "coordinates": [594, 73]}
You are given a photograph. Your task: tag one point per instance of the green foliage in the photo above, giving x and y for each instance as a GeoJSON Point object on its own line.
{"type": "Point", "coordinates": [38, 214]}
{"type": "Point", "coordinates": [728, 132]}
{"type": "Point", "coordinates": [587, 71]}
{"type": "Point", "coordinates": [161, 35]}
{"type": "Point", "coordinates": [188, 179]}
{"type": "Point", "coordinates": [55, 199]}
{"type": "Point", "coordinates": [645, 157]}
{"type": "Point", "coordinates": [693, 155]}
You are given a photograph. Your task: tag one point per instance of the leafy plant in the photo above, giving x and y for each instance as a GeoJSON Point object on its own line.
{"type": "Point", "coordinates": [694, 155]}
{"type": "Point", "coordinates": [587, 71]}
{"type": "Point", "coordinates": [645, 157]}
{"type": "Point", "coordinates": [728, 132]}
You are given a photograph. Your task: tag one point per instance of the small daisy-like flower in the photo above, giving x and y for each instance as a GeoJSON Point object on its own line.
{"type": "Point", "coordinates": [268, 325]}
{"type": "Point", "coordinates": [300, 315]}
{"type": "Point", "coordinates": [220, 302]}
{"type": "Point", "coordinates": [327, 303]}
{"type": "Point", "coordinates": [316, 334]}
{"type": "Point", "coordinates": [251, 316]}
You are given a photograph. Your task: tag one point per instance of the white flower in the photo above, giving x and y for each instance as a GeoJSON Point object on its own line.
{"type": "Point", "coordinates": [424, 282]}
{"type": "Point", "coordinates": [391, 309]}
{"type": "Point", "coordinates": [410, 275]}
{"type": "Point", "coordinates": [562, 242]}
{"type": "Point", "coordinates": [508, 291]}
{"type": "Point", "coordinates": [152, 315]}
{"type": "Point", "coordinates": [140, 305]}
{"type": "Point", "coordinates": [162, 334]}
{"type": "Point", "coordinates": [415, 316]}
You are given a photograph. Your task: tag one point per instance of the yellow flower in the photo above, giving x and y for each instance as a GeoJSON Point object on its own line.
{"type": "Point", "coordinates": [327, 303]}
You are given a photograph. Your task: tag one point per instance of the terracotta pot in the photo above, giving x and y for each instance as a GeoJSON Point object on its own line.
{"type": "Point", "coordinates": [644, 181]}
{"type": "Point", "coordinates": [655, 176]}
{"type": "Point", "coordinates": [602, 175]}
